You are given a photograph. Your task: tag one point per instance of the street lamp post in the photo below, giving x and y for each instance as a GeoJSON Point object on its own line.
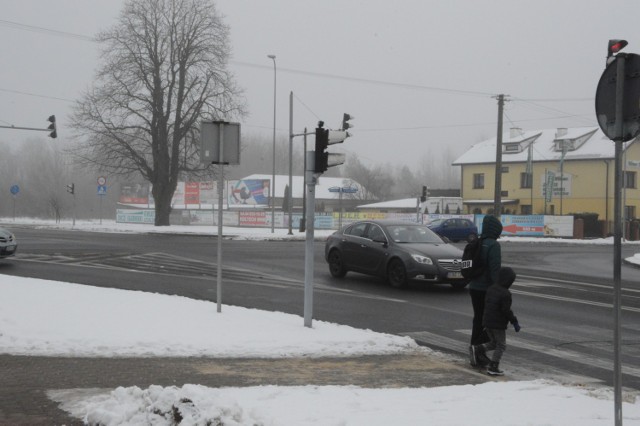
{"type": "Point", "coordinates": [273, 175]}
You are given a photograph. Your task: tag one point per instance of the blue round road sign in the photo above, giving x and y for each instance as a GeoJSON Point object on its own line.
{"type": "Point", "coordinates": [15, 189]}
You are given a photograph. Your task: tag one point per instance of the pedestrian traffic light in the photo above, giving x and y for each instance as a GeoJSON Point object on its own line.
{"type": "Point", "coordinates": [71, 188]}
{"type": "Point", "coordinates": [324, 138]}
{"type": "Point", "coordinates": [54, 129]}
{"type": "Point", "coordinates": [345, 121]}
{"type": "Point", "coordinates": [614, 47]}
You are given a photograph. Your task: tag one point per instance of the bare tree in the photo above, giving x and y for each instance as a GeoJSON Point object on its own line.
{"type": "Point", "coordinates": [164, 69]}
{"type": "Point", "coordinates": [377, 181]}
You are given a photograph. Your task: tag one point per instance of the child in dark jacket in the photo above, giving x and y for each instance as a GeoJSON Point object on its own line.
{"type": "Point", "coordinates": [497, 315]}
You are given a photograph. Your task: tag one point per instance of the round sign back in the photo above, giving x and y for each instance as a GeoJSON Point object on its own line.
{"type": "Point", "coordinates": [606, 98]}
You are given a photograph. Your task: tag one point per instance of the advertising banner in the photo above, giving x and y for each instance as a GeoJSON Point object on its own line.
{"type": "Point", "coordinates": [254, 219]}
{"type": "Point", "coordinates": [137, 193]}
{"type": "Point", "coordinates": [208, 192]}
{"type": "Point", "coordinates": [248, 192]}
{"type": "Point", "coordinates": [192, 193]}
{"type": "Point", "coordinates": [135, 216]}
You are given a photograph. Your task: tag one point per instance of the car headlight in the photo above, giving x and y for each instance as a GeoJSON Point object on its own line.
{"type": "Point", "coordinates": [424, 260]}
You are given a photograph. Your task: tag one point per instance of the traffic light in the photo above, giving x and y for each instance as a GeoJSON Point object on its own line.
{"type": "Point", "coordinates": [324, 138]}
{"type": "Point", "coordinates": [423, 198]}
{"type": "Point", "coordinates": [71, 188]}
{"type": "Point", "coordinates": [53, 127]}
{"type": "Point", "coordinates": [345, 121]}
{"type": "Point", "coordinates": [614, 46]}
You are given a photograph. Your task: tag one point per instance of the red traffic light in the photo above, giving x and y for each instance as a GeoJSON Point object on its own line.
{"type": "Point", "coordinates": [615, 46]}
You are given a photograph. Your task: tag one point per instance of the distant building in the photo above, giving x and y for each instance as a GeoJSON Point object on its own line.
{"type": "Point", "coordinates": [576, 165]}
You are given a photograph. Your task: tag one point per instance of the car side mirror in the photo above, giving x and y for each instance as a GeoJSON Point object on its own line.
{"type": "Point", "coordinates": [382, 241]}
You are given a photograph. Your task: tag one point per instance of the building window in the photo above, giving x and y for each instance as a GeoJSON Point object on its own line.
{"type": "Point", "coordinates": [629, 180]}
{"type": "Point", "coordinates": [478, 181]}
{"type": "Point", "coordinates": [525, 180]}
{"type": "Point", "coordinates": [526, 209]}
{"type": "Point", "coordinates": [629, 212]}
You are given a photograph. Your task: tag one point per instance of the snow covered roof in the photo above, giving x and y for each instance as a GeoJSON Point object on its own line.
{"type": "Point", "coordinates": [405, 203]}
{"type": "Point", "coordinates": [322, 188]}
{"type": "Point", "coordinates": [545, 142]}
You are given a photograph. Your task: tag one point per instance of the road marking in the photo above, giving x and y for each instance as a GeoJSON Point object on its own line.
{"type": "Point", "coordinates": [536, 282]}
{"type": "Point", "coordinates": [172, 265]}
{"type": "Point", "coordinates": [430, 339]}
{"type": "Point", "coordinates": [579, 301]}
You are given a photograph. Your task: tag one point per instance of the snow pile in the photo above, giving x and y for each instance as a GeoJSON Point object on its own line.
{"type": "Point", "coordinates": [505, 403]}
{"type": "Point", "coordinates": [39, 317]}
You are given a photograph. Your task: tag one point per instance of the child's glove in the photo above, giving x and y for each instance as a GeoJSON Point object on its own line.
{"type": "Point", "coordinates": [516, 326]}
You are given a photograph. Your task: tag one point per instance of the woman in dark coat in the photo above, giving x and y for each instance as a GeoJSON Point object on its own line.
{"type": "Point", "coordinates": [492, 258]}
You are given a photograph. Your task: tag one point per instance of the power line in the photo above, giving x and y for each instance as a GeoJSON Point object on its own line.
{"type": "Point", "coordinates": [18, 92]}
{"type": "Point", "coordinates": [38, 29]}
{"type": "Point", "coordinates": [43, 30]}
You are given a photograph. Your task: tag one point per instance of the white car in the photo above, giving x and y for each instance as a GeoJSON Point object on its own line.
{"type": "Point", "coordinates": [8, 243]}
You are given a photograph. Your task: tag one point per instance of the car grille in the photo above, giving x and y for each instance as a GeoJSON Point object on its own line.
{"type": "Point", "coordinates": [453, 265]}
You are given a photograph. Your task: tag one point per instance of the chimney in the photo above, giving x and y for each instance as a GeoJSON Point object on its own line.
{"type": "Point", "coordinates": [560, 132]}
{"type": "Point", "coordinates": [515, 132]}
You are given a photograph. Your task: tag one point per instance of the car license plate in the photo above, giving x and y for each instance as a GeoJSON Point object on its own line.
{"type": "Point", "coordinates": [454, 275]}
{"type": "Point", "coordinates": [9, 249]}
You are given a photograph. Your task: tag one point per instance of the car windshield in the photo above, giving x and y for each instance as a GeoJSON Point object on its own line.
{"type": "Point", "coordinates": [413, 234]}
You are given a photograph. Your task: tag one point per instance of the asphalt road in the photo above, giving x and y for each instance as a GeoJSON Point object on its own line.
{"type": "Point", "coordinates": [562, 297]}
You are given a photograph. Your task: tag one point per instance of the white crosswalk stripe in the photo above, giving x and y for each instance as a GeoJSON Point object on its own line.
{"type": "Point", "coordinates": [461, 346]}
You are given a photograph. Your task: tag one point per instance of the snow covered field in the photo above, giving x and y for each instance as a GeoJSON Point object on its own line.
{"type": "Point", "coordinates": [30, 324]}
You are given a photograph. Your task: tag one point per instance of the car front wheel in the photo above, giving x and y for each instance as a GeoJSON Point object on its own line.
{"type": "Point", "coordinates": [336, 267]}
{"type": "Point", "coordinates": [397, 274]}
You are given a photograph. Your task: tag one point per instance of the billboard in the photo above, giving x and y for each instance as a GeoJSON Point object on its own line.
{"type": "Point", "coordinates": [136, 193]}
{"type": "Point", "coordinates": [246, 192]}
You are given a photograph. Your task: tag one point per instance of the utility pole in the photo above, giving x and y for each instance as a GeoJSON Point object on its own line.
{"type": "Point", "coordinates": [497, 202]}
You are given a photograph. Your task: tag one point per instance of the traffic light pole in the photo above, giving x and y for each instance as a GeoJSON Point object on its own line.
{"type": "Point", "coordinates": [617, 240]}
{"type": "Point", "coordinates": [309, 253]}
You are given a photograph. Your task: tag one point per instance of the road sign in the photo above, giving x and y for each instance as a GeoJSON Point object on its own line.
{"type": "Point", "coordinates": [210, 135]}
{"type": "Point", "coordinates": [606, 98]}
{"type": "Point", "coordinates": [102, 181]}
{"type": "Point", "coordinates": [15, 189]}
{"type": "Point", "coordinates": [345, 189]}
{"type": "Point", "coordinates": [102, 190]}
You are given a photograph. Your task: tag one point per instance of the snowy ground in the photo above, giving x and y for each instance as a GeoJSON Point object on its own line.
{"type": "Point", "coordinates": [30, 324]}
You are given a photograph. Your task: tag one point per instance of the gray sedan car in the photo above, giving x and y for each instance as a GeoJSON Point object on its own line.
{"type": "Point", "coordinates": [8, 243]}
{"type": "Point", "coordinates": [395, 250]}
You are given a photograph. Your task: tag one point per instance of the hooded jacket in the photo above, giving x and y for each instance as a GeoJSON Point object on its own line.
{"type": "Point", "coordinates": [491, 254]}
{"type": "Point", "coordinates": [497, 302]}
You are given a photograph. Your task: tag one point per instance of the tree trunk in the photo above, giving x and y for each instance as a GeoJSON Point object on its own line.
{"type": "Point", "coordinates": [163, 207]}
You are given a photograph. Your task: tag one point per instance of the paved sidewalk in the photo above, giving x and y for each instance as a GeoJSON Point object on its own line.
{"type": "Point", "coordinates": [25, 380]}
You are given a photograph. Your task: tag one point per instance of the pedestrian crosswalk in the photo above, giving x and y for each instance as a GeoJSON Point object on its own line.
{"type": "Point", "coordinates": [591, 348]}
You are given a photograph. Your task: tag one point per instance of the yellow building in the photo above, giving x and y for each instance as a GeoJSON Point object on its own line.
{"type": "Point", "coordinates": [578, 163]}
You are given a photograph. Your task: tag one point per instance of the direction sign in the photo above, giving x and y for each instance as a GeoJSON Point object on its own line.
{"type": "Point", "coordinates": [344, 189]}
{"type": "Point", "coordinates": [606, 98]}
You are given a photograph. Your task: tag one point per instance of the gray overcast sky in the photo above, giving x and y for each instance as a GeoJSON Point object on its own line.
{"type": "Point", "coordinates": [418, 75]}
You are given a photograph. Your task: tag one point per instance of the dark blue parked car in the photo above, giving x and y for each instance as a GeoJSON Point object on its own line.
{"type": "Point", "coordinates": [454, 229]}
